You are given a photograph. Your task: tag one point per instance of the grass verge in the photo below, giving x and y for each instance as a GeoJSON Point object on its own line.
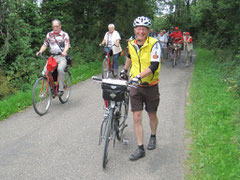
{"type": "Point", "coordinates": [213, 118]}
{"type": "Point", "coordinates": [20, 100]}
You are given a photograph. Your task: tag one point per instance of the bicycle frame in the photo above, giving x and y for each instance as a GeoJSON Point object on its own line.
{"type": "Point", "coordinates": [113, 123]}
{"type": "Point", "coordinates": [175, 50]}
{"type": "Point", "coordinates": [51, 81]}
{"type": "Point", "coordinates": [110, 60]}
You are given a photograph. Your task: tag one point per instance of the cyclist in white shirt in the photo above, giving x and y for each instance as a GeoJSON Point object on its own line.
{"type": "Point", "coordinates": [112, 40]}
{"type": "Point", "coordinates": [163, 40]}
{"type": "Point", "coordinates": [59, 43]}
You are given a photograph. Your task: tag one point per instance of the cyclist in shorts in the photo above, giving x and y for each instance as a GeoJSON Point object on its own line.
{"type": "Point", "coordinates": [144, 54]}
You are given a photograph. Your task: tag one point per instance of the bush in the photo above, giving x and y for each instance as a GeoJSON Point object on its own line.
{"type": "Point", "coordinates": [229, 61]}
{"type": "Point", "coordinates": [5, 88]}
{"type": "Point", "coordinates": [86, 51]}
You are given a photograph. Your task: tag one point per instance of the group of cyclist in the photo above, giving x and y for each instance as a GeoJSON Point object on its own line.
{"type": "Point", "coordinates": [174, 37]}
{"type": "Point", "coordinates": [143, 64]}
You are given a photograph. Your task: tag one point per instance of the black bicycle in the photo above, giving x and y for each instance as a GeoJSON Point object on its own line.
{"type": "Point", "coordinates": [116, 98]}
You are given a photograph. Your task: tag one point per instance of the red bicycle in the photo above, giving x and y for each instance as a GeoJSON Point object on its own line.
{"type": "Point", "coordinates": [46, 88]}
{"type": "Point", "coordinates": [175, 53]}
{"type": "Point", "coordinates": [107, 65]}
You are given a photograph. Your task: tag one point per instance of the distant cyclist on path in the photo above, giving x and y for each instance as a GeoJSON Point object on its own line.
{"type": "Point", "coordinates": [177, 38]}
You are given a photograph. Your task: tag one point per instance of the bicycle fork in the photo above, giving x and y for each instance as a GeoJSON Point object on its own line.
{"type": "Point", "coordinates": [110, 108]}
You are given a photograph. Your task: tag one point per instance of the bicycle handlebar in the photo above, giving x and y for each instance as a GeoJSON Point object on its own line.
{"type": "Point", "coordinates": [100, 80]}
{"type": "Point", "coordinates": [44, 57]}
{"type": "Point", "coordinates": [107, 46]}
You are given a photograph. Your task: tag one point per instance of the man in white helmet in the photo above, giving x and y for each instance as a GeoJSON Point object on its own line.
{"type": "Point", "coordinates": [144, 58]}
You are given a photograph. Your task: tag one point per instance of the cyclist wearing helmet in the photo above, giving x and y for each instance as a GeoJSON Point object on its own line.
{"type": "Point", "coordinates": [144, 54]}
{"type": "Point", "coordinates": [178, 38]}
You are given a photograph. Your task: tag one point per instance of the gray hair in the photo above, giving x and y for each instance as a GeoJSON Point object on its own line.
{"type": "Point", "coordinates": [56, 20]}
{"type": "Point", "coordinates": [111, 25]}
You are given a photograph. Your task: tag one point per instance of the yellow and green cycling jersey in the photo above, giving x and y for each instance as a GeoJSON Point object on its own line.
{"type": "Point", "coordinates": [142, 57]}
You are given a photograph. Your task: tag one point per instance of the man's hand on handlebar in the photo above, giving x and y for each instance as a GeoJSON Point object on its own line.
{"type": "Point", "coordinates": [38, 53]}
{"type": "Point", "coordinates": [135, 80]}
{"type": "Point", "coordinates": [64, 53]}
{"type": "Point", "coordinates": [123, 74]}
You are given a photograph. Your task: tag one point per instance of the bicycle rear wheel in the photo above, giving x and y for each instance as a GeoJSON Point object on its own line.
{"type": "Point", "coordinates": [105, 69]}
{"type": "Point", "coordinates": [67, 88]}
{"type": "Point", "coordinates": [123, 116]}
{"type": "Point", "coordinates": [107, 137]}
{"type": "Point", "coordinates": [41, 96]}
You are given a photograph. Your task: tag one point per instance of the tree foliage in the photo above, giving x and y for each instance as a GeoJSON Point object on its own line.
{"type": "Point", "coordinates": [24, 25]}
{"type": "Point", "coordinates": [213, 23]}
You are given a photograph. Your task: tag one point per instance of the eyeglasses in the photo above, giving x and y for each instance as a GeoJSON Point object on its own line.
{"type": "Point", "coordinates": [141, 29]}
{"type": "Point", "coordinates": [55, 26]}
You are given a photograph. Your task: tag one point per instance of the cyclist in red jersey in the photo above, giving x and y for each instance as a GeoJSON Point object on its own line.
{"type": "Point", "coordinates": [177, 35]}
{"type": "Point", "coordinates": [177, 38]}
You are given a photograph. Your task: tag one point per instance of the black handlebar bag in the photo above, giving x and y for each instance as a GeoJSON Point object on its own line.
{"type": "Point", "coordinates": [113, 92]}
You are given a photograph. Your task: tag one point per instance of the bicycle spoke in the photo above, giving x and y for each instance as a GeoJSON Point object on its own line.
{"type": "Point", "coordinates": [41, 96]}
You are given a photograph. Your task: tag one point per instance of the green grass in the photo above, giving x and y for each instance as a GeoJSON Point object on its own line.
{"type": "Point", "coordinates": [213, 118]}
{"type": "Point", "coordinates": [21, 100]}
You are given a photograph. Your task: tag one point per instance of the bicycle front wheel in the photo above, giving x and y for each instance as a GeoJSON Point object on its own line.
{"type": "Point", "coordinates": [124, 107]}
{"type": "Point", "coordinates": [105, 69]}
{"type": "Point", "coordinates": [174, 58]}
{"type": "Point", "coordinates": [107, 137]}
{"type": "Point", "coordinates": [67, 88]}
{"type": "Point", "coordinates": [41, 96]}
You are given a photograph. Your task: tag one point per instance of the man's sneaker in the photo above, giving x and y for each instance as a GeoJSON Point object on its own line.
{"type": "Point", "coordinates": [138, 154]}
{"type": "Point", "coordinates": [152, 143]}
{"type": "Point", "coordinates": [59, 93]}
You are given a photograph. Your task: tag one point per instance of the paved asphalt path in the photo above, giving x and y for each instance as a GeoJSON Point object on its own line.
{"type": "Point", "coordinates": [63, 144]}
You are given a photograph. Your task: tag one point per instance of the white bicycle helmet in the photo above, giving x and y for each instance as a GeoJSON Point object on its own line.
{"type": "Point", "coordinates": [142, 21]}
